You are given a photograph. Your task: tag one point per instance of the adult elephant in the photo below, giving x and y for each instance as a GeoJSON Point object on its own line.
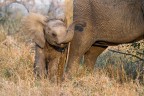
{"type": "Point", "coordinates": [16, 10]}
{"type": "Point", "coordinates": [101, 23]}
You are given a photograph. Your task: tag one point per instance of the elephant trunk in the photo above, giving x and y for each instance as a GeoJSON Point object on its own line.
{"type": "Point", "coordinates": [71, 29]}
{"type": "Point", "coordinates": [69, 35]}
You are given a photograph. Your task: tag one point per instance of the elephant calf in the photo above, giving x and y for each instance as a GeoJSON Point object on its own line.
{"type": "Point", "coordinates": [47, 34]}
{"type": "Point", "coordinates": [49, 61]}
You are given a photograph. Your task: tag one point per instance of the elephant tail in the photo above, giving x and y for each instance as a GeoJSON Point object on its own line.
{"type": "Point", "coordinates": [33, 23]}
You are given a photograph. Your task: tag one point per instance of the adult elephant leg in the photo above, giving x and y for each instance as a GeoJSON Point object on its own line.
{"type": "Point", "coordinates": [80, 44]}
{"type": "Point", "coordinates": [91, 56]}
{"type": "Point", "coordinates": [39, 65]}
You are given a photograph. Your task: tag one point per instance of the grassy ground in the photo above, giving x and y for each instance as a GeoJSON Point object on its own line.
{"type": "Point", "coordinates": [17, 78]}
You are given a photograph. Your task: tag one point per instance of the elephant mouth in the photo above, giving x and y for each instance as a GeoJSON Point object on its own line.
{"type": "Point", "coordinates": [54, 43]}
{"type": "Point", "coordinates": [59, 49]}
{"type": "Point", "coordinates": [61, 45]}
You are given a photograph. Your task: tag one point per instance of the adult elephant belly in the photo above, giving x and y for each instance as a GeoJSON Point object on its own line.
{"type": "Point", "coordinates": [118, 21]}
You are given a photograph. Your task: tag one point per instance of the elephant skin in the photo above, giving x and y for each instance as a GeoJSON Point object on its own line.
{"type": "Point", "coordinates": [16, 11]}
{"type": "Point", "coordinates": [101, 23]}
{"type": "Point", "coordinates": [44, 7]}
{"type": "Point", "coordinates": [49, 62]}
{"type": "Point", "coordinates": [46, 33]}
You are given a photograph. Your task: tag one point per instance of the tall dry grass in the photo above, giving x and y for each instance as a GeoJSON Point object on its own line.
{"type": "Point", "coordinates": [17, 78]}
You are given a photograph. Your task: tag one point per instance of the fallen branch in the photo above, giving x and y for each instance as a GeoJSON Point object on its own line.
{"type": "Point", "coordinates": [127, 54]}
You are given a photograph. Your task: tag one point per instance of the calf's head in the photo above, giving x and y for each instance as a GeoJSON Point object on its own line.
{"type": "Point", "coordinates": [43, 29]}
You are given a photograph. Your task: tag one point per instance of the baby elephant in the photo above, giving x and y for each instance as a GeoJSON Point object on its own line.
{"type": "Point", "coordinates": [49, 61]}
{"type": "Point", "coordinates": [49, 54]}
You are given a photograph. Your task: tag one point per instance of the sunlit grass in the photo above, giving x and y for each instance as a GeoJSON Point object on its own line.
{"type": "Point", "coordinates": [17, 78]}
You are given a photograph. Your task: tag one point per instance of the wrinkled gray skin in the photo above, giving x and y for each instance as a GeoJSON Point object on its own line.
{"type": "Point", "coordinates": [18, 8]}
{"type": "Point", "coordinates": [103, 23]}
{"type": "Point", "coordinates": [16, 11]}
{"type": "Point", "coordinates": [13, 10]}
{"type": "Point", "coordinates": [37, 6]}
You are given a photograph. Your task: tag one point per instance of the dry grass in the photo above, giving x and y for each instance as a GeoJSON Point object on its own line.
{"type": "Point", "coordinates": [17, 79]}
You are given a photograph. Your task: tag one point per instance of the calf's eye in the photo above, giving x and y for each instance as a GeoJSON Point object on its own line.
{"type": "Point", "coordinates": [54, 35]}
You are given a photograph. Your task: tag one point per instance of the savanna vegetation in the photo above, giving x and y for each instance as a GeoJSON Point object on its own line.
{"type": "Point", "coordinates": [119, 70]}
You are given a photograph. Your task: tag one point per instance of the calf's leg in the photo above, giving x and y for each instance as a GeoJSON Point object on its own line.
{"type": "Point", "coordinates": [40, 64]}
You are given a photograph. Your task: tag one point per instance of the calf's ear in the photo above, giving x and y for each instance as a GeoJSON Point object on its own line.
{"type": "Point", "coordinates": [39, 39]}
{"type": "Point", "coordinates": [33, 26]}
